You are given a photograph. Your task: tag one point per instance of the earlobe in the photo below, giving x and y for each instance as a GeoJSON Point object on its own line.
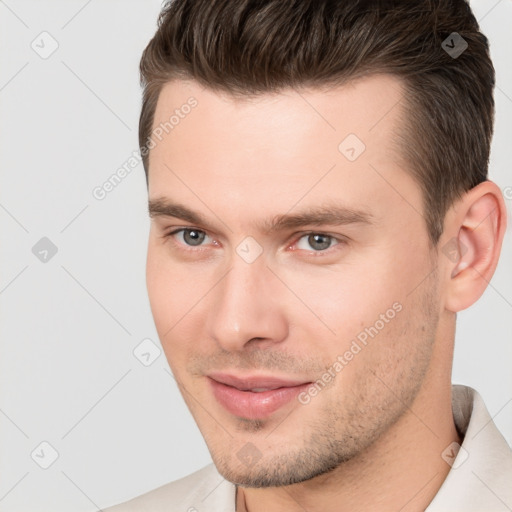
{"type": "Point", "coordinates": [478, 228]}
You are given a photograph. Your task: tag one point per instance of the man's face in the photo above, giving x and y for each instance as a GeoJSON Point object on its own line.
{"type": "Point", "coordinates": [289, 273]}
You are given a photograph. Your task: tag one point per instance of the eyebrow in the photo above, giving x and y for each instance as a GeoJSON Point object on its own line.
{"type": "Point", "coordinates": [334, 215]}
{"type": "Point", "coordinates": [163, 208]}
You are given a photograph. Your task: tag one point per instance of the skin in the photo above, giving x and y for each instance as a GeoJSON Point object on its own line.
{"type": "Point", "coordinates": [373, 437]}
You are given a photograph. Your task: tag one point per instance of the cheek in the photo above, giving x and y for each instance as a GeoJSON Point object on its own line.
{"type": "Point", "coordinates": [168, 291]}
{"type": "Point", "coordinates": [346, 299]}
{"type": "Point", "coordinates": [364, 303]}
{"type": "Point", "coordinates": [177, 296]}
{"type": "Point", "coordinates": [157, 285]}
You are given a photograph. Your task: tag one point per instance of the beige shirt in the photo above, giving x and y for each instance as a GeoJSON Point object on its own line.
{"type": "Point", "coordinates": [480, 479]}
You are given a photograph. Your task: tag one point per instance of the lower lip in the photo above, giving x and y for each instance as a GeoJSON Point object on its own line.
{"type": "Point", "coordinates": [252, 405]}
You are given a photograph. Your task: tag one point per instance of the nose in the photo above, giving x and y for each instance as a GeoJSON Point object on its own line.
{"type": "Point", "coordinates": [247, 308]}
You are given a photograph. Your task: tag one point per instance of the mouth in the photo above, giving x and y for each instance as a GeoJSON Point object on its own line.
{"type": "Point", "coordinates": [254, 397]}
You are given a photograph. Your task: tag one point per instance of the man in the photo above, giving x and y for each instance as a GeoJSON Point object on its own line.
{"type": "Point", "coordinates": [317, 179]}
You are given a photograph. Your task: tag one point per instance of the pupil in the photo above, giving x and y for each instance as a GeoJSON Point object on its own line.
{"type": "Point", "coordinates": [319, 242]}
{"type": "Point", "coordinates": [193, 237]}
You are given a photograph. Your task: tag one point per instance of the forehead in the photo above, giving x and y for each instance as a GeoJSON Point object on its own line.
{"type": "Point", "coordinates": [280, 148]}
{"type": "Point", "coordinates": [368, 107]}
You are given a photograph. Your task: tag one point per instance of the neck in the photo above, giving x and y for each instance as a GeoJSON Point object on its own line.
{"type": "Point", "coordinates": [402, 470]}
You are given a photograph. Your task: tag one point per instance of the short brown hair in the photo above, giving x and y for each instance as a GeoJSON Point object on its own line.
{"type": "Point", "coordinates": [252, 47]}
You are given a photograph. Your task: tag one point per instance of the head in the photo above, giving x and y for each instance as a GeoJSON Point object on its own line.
{"type": "Point", "coordinates": [314, 205]}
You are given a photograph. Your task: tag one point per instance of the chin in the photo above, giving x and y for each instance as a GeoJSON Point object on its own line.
{"type": "Point", "coordinates": [277, 471]}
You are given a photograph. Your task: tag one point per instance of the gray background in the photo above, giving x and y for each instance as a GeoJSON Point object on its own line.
{"type": "Point", "coordinates": [69, 325]}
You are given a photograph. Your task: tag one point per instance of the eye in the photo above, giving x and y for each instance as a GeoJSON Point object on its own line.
{"type": "Point", "coordinates": [316, 241]}
{"type": "Point", "coordinates": [190, 236]}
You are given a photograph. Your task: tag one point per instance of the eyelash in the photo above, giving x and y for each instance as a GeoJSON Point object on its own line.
{"type": "Point", "coordinates": [338, 241]}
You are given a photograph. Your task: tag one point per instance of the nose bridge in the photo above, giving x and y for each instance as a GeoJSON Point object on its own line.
{"type": "Point", "coordinates": [245, 307]}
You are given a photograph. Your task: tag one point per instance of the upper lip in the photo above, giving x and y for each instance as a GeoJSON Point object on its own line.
{"type": "Point", "coordinates": [255, 382]}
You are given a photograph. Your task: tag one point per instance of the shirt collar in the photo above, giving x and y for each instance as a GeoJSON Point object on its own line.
{"type": "Point", "coordinates": [480, 477]}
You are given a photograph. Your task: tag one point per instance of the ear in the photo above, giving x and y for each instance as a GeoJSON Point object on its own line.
{"type": "Point", "coordinates": [474, 231]}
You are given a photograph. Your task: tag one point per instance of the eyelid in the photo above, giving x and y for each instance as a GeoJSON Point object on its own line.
{"type": "Point", "coordinates": [341, 240]}
{"type": "Point", "coordinates": [171, 232]}
{"type": "Point", "coordinates": [332, 239]}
